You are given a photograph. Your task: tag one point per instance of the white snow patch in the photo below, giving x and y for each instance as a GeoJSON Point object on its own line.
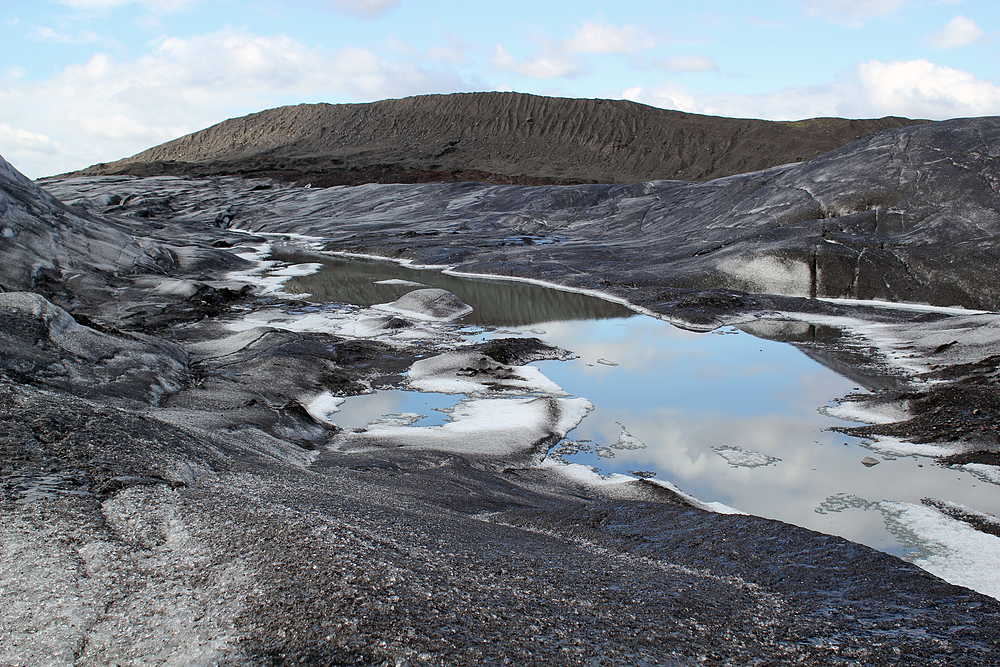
{"type": "Point", "coordinates": [269, 275]}
{"type": "Point", "coordinates": [295, 270]}
{"type": "Point", "coordinates": [896, 447]}
{"type": "Point", "coordinates": [584, 474]}
{"type": "Point", "coordinates": [183, 288]}
{"type": "Point", "coordinates": [324, 405]}
{"type": "Point", "coordinates": [770, 274]}
{"type": "Point", "coordinates": [958, 553]}
{"type": "Point", "coordinates": [588, 477]}
{"type": "Point", "coordinates": [397, 281]}
{"type": "Point", "coordinates": [865, 413]}
{"type": "Point", "coordinates": [710, 506]}
{"type": "Point", "coordinates": [428, 304]}
{"type": "Point", "coordinates": [409, 263]}
{"type": "Point", "coordinates": [739, 457]}
{"type": "Point", "coordinates": [985, 472]}
{"type": "Point", "coordinates": [493, 427]}
{"type": "Point", "coordinates": [470, 372]}
{"type": "Point", "coordinates": [914, 307]}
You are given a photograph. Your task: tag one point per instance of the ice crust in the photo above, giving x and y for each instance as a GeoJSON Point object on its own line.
{"type": "Point", "coordinates": [501, 427]}
{"type": "Point", "coordinates": [322, 407]}
{"type": "Point", "coordinates": [397, 281]}
{"type": "Point", "coordinates": [769, 274]}
{"type": "Point", "coordinates": [473, 373]}
{"type": "Point", "coordinates": [956, 552]}
{"type": "Point", "coordinates": [428, 304]}
{"type": "Point", "coordinates": [739, 457]}
{"type": "Point", "coordinates": [588, 477]}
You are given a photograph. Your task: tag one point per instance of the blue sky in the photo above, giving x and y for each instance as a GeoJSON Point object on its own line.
{"type": "Point", "coordinates": [86, 81]}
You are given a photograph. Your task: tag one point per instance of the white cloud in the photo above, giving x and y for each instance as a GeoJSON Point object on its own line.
{"type": "Point", "coordinates": [562, 59]}
{"type": "Point", "coordinates": [915, 89]}
{"type": "Point", "coordinates": [365, 8]}
{"type": "Point", "coordinates": [666, 96]}
{"type": "Point", "coordinates": [21, 147]}
{"type": "Point", "coordinates": [46, 34]}
{"type": "Point", "coordinates": [595, 37]}
{"type": "Point", "coordinates": [851, 12]}
{"type": "Point", "coordinates": [454, 52]}
{"type": "Point", "coordinates": [687, 64]}
{"type": "Point", "coordinates": [921, 89]}
{"type": "Point", "coordinates": [17, 140]}
{"type": "Point", "coordinates": [545, 65]}
{"type": "Point", "coordinates": [104, 110]}
{"type": "Point", "coordinates": [161, 6]}
{"type": "Point", "coordinates": [960, 31]}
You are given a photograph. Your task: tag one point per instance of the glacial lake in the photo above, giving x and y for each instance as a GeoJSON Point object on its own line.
{"type": "Point", "coordinates": [725, 416]}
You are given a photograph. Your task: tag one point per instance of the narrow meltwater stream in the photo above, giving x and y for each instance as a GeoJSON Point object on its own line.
{"type": "Point", "coordinates": [725, 416]}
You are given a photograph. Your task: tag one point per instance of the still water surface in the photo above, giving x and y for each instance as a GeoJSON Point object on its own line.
{"type": "Point", "coordinates": [496, 303]}
{"type": "Point", "coordinates": [725, 416]}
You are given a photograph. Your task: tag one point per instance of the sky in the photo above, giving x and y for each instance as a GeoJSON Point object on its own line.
{"type": "Point", "coordinates": [87, 81]}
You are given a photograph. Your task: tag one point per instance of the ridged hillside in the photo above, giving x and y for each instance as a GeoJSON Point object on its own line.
{"type": "Point", "coordinates": [491, 137]}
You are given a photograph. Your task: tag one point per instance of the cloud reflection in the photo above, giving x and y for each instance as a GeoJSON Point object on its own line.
{"type": "Point", "coordinates": [683, 393]}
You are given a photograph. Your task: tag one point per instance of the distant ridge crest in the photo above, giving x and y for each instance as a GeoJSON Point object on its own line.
{"type": "Point", "coordinates": [494, 137]}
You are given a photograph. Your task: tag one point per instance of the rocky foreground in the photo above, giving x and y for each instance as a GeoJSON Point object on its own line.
{"type": "Point", "coordinates": [171, 495]}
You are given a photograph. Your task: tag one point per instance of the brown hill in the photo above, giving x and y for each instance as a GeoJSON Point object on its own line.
{"type": "Point", "coordinates": [491, 137]}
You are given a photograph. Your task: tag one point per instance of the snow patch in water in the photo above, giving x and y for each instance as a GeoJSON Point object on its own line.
{"type": "Point", "coordinates": [323, 406]}
{"type": "Point", "coordinates": [956, 552]}
{"type": "Point", "coordinates": [588, 477]}
{"type": "Point", "coordinates": [473, 373]}
{"type": "Point", "coordinates": [397, 281]}
{"type": "Point", "coordinates": [896, 447]}
{"type": "Point", "coordinates": [492, 427]}
{"type": "Point", "coordinates": [428, 304]}
{"type": "Point", "coordinates": [983, 471]}
{"type": "Point", "coordinates": [739, 457]}
{"type": "Point", "coordinates": [865, 413]}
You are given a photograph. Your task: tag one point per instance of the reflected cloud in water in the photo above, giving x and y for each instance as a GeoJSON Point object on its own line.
{"type": "Point", "coordinates": [701, 403]}
{"type": "Point", "coordinates": [685, 393]}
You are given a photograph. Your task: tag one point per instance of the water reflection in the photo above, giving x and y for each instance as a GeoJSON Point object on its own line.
{"type": "Point", "coordinates": [360, 411]}
{"type": "Point", "coordinates": [688, 396]}
{"type": "Point", "coordinates": [705, 405]}
{"type": "Point", "coordinates": [496, 303]}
